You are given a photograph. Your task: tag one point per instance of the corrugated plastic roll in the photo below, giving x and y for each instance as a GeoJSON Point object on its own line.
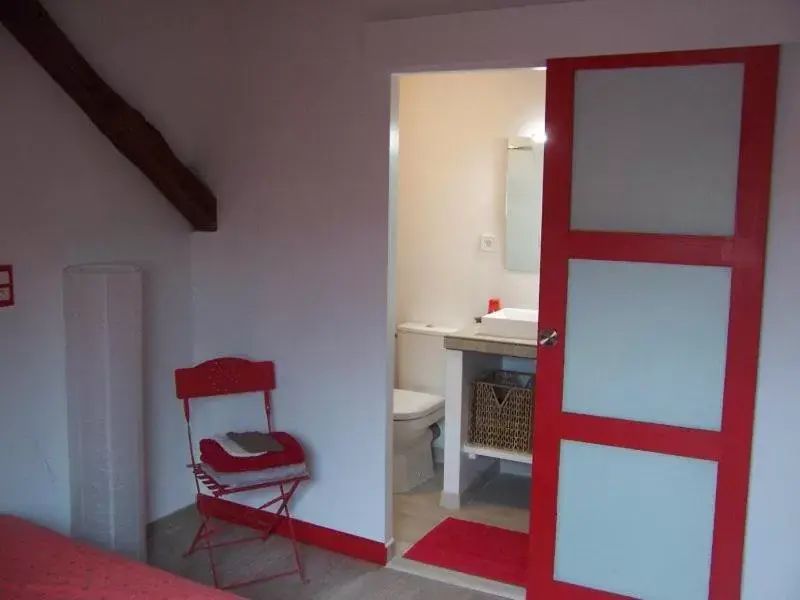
{"type": "Point", "coordinates": [103, 318]}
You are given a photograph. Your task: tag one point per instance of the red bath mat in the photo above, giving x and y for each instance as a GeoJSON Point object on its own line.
{"type": "Point", "coordinates": [475, 549]}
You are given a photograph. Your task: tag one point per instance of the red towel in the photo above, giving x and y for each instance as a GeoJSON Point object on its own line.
{"type": "Point", "coordinates": [214, 455]}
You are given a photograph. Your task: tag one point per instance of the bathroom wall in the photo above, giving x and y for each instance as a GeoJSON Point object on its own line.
{"type": "Point", "coordinates": [451, 190]}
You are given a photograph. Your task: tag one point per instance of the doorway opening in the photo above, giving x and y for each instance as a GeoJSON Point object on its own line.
{"type": "Point", "coordinates": [466, 197]}
{"type": "Point", "coordinates": [654, 224]}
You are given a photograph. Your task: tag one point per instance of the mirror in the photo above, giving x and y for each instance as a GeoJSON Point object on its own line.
{"type": "Point", "coordinates": [524, 172]}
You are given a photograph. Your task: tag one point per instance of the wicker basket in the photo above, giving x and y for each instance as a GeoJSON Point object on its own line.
{"type": "Point", "coordinates": [501, 411]}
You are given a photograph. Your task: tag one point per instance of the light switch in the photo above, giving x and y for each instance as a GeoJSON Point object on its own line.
{"type": "Point", "coordinates": [488, 242]}
{"type": "Point", "coordinates": [5, 295]}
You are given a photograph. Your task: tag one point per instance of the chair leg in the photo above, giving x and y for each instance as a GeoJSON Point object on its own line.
{"type": "Point", "coordinates": [210, 550]}
{"type": "Point", "coordinates": [205, 531]}
{"type": "Point", "coordinates": [293, 537]}
{"type": "Point", "coordinates": [196, 540]}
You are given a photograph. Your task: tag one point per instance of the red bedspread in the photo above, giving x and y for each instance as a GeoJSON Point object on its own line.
{"type": "Point", "coordinates": [39, 564]}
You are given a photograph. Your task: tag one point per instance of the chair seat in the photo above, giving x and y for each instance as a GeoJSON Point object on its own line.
{"type": "Point", "coordinates": [223, 484]}
{"type": "Point", "coordinates": [214, 455]}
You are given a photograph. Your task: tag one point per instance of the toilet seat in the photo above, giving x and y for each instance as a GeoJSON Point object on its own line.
{"type": "Point", "coordinates": [409, 405]}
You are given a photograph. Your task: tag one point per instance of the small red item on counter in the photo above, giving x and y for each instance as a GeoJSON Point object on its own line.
{"type": "Point", "coordinates": [494, 304]}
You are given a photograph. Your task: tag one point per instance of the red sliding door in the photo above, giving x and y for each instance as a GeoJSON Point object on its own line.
{"type": "Point", "coordinates": [656, 192]}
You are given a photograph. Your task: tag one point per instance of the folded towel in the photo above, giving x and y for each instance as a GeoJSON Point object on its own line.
{"type": "Point", "coordinates": [255, 442]}
{"type": "Point", "coordinates": [216, 454]}
{"type": "Point", "coordinates": [248, 444]}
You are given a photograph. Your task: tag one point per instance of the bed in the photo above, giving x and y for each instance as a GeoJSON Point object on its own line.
{"type": "Point", "coordinates": [39, 564]}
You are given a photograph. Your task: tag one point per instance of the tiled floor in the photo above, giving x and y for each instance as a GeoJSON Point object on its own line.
{"type": "Point", "coordinates": [329, 576]}
{"type": "Point", "coordinates": [503, 502]}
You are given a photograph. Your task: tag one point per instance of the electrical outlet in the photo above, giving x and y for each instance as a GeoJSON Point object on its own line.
{"type": "Point", "coordinates": [488, 242]}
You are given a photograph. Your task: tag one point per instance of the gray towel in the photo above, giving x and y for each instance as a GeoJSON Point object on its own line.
{"type": "Point", "coordinates": [255, 442]}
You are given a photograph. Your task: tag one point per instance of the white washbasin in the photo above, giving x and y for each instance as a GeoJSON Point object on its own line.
{"type": "Point", "coordinates": [520, 323]}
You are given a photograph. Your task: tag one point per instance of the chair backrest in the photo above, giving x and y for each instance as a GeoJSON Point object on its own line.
{"type": "Point", "coordinates": [225, 376]}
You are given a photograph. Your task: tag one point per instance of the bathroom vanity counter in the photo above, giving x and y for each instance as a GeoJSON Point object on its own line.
{"type": "Point", "coordinates": [470, 339]}
{"type": "Point", "coordinates": [469, 354]}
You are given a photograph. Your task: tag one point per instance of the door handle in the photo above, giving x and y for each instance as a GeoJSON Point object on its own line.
{"type": "Point", "coordinates": [548, 338]}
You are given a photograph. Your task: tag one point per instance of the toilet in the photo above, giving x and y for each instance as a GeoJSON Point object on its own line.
{"type": "Point", "coordinates": [418, 402]}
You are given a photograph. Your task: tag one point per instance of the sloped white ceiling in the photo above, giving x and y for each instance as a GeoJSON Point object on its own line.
{"type": "Point", "coordinates": [404, 9]}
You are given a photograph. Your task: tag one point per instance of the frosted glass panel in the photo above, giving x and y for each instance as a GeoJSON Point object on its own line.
{"type": "Point", "coordinates": [646, 342]}
{"type": "Point", "coordinates": [657, 150]}
{"type": "Point", "coordinates": [635, 523]}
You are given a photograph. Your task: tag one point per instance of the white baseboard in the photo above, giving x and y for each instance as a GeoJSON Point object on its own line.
{"type": "Point", "coordinates": [462, 580]}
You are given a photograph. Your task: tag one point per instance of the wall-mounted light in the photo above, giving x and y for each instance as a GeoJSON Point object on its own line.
{"type": "Point", "coordinates": [540, 137]}
{"type": "Point", "coordinates": [540, 68]}
{"type": "Point", "coordinates": [534, 132]}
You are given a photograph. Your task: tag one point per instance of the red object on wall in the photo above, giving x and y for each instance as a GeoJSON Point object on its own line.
{"type": "Point", "coordinates": [6, 286]}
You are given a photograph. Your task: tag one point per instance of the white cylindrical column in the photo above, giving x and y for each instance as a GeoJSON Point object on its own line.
{"type": "Point", "coordinates": [103, 318]}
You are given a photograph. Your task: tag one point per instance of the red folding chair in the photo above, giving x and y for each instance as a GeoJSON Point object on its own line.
{"type": "Point", "coordinates": [283, 470]}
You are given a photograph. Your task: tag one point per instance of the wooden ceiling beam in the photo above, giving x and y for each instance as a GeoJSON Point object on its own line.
{"type": "Point", "coordinates": [126, 128]}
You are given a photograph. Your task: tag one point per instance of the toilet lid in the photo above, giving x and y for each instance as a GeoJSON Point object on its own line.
{"type": "Point", "coordinates": [410, 405]}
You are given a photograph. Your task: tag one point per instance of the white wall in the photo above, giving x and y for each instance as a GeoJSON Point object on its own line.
{"type": "Point", "coordinates": [525, 36]}
{"type": "Point", "coordinates": [454, 130]}
{"type": "Point", "coordinates": [519, 37]}
{"type": "Point", "coordinates": [772, 554]}
{"type": "Point", "coordinates": [403, 9]}
{"type": "Point", "coordinates": [298, 271]}
{"type": "Point", "coordinates": [285, 115]}
{"type": "Point", "coordinates": [67, 197]}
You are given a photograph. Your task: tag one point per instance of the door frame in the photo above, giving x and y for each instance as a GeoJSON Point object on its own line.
{"type": "Point", "coordinates": [744, 252]}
